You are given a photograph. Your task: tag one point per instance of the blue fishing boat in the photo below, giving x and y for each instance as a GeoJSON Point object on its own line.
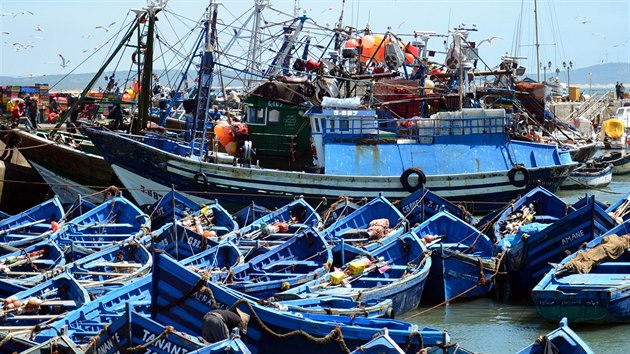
{"type": "Point", "coordinates": [369, 155]}
{"type": "Point", "coordinates": [172, 206]}
{"type": "Point", "coordinates": [12, 344]}
{"type": "Point", "coordinates": [115, 265]}
{"type": "Point", "coordinates": [591, 285]}
{"type": "Point", "coordinates": [336, 305]}
{"type": "Point", "coordinates": [561, 340]}
{"type": "Point", "coordinates": [196, 232]}
{"type": "Point", "coordinates": [32, 225]}
{"type": "Point", "coordinates": [463, 263]}
{"type": "Point", "coordinates": [249, 214]}
{"type": "Point", "coordinates": [540, 228]}
{"type": "Point", "coordinates": [133, 332]}
{"type": "Point", "coordinates": [382, 344]}
{"type": "Point", "coordinates": [397, 270]}
{"type": "Point", "coordinates": [115, 220]}
{"type": "Point", "coordinates": [223, 256]}
{"type": "Point", "coordinates": [301, 258]}
{"type": "Point", "coordinates": [180, 297]}
{"type": "Point", "coordinates": [61, 344]}
{"type": "Point", "coordinates": [45, 302]}
{"type": "Point", "coordinates": [79, 207]}
{"type": "Point", "coordinates": [589, 175]}
{"type": "Point", "coordinates": [82, 324]}
{"type": "Point", "coordinates": [364, 230]}
{"type": "Point", "coordinates": [276, 227]}
{"type": "Point", "coordinates": [31, 261]}
{"type": "Point", "coordinates": [423, 204]}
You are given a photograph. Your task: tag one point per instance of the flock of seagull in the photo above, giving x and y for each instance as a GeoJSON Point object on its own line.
{"type": "Point", "coordinates": [39, 28]}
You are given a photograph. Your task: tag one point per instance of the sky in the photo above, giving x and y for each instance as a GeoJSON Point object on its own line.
{"type": "Point", "coordinates": [586, 33]}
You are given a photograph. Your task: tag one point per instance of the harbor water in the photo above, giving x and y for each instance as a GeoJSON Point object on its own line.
{"type": "Point", "coordinates": [488, 326]}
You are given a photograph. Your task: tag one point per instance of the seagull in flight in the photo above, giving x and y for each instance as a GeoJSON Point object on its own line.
{"type": "Point", "coordinates": [106, 28]}
{"type": "Point", "coordinates": [87, 36]}
{"type": "Point", "coordinates": [64, 61]}
{"type": "Point", "coordinates": [489, 40]}
{"type": "Point", "coordinates": [23, 13]}
{"type": "Point", "coordinates": [20, 46]}
{"type": "Point", "coordinates": [39, 28]}
{"type": "Point", "coordinates": [92, 49]}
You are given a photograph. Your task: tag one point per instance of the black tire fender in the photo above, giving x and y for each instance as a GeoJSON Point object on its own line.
{"type": "Point", "coordinates": [516, 170]}
{"type": "Point", "coordinates": [404, 179]}
{"type": "Point", "coordinates": [201, 178]}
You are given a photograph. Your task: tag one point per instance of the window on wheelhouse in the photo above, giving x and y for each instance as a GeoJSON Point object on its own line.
{"type": "Point", "coordinates": [256, 116]}
{"type": "Point", "coordinates": [273, 116]}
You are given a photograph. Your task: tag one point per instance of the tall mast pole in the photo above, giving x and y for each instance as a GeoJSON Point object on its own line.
{"type": "Point", "coordinates": [537, 40]}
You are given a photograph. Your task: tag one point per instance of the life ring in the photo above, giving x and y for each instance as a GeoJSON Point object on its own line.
{"type": "Point", "coordinates": [200, 177]}
{"type": "Point", "coordinates": [404, 179]}
{"type": "Point", "coordinates": [512, 176]}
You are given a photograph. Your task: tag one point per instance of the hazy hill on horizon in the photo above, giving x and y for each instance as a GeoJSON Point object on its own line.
{"type": "Point", "coordinates": [602, 75]}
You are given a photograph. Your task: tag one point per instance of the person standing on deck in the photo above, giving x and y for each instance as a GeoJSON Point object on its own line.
{"type": "Point", "coordinates": [33, 111]}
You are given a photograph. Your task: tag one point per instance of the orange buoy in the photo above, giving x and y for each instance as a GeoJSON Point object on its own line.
{"type": "Point", "coordinates": [54, 226]}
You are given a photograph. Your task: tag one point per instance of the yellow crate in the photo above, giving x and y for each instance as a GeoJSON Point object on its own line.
{"type": "Point", "coordinates": [356, 267]}
{"type": "Point", "coordinates": [574, 93]}
{"type": "Point", "coordinates": [336, 277]}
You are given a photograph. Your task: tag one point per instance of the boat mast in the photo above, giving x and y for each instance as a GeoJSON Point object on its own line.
{"type": "Point", "coordinates": [206, 73]}
{"type": "Point", "coordinates": [147, 72]}
{"type": "Point", "coordinates": [254, 44]}
{"type": "Point", "coordinates": [537, 40]}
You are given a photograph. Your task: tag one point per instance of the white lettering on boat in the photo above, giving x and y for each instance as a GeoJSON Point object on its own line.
{"type": "Point", "coordinates": [162, 344]}
{"type": "Point", "coordinates": [108, 345]}
{"type": "Point", "coordinates": [573, 237]}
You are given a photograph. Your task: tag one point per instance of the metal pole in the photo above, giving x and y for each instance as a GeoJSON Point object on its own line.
{"type": "Point", "coordinates": [537, 40]}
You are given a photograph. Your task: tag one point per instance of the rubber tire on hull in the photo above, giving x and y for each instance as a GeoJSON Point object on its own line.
{"type": "Point", "coordinates": [404, 179]}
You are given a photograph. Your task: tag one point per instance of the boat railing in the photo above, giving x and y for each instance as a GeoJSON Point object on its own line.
{"type": "Point", "coordinates": [413, 130]}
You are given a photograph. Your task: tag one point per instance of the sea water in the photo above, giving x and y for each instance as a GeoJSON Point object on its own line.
{"type": "Point", "coordinates": [488, 326]}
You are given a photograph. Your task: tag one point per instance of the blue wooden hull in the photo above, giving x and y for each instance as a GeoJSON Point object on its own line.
{"type": "Point", "coordinates": [32, 225]}
{"type": "Point", "coordinates": [115, 220]}
{"type": "Point", "coordinates": [138, 165]}
{"type": "Point", "coordinates": [172, 205]}
{"type": "Point", "coordinates": [134, 330]}
{"type": "Point", "coordinates": [59, 295]}
{"type": "Point", "coordinates": [301, 258]}
{"type": "Point", "coordinates": [349, 235]}
{"type": "Point", "coordinates": [13, 344]}
{"type": "Point", "coordinates": [459, 259]}
{"type": "Point", "coordinates": [527, 257]}
{"type": "Point", "coordinates": [563, 338]}
{"type": "Point", "coordinates": [403, 282]}
{"type": "Point", "coordinates": [171, 304]}
{"type": "Point", "coordinates": [31, 261]}
{"type": "Point", "coordinates": [84, 323]}
{"type": "Point", "coordinates": [600, 296]}
{"type": "Point", "coordinates": [423, 204]}
{"type": "Point", "coordinates": [223, 255]}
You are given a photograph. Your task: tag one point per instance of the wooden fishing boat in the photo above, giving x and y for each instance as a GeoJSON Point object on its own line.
{"type": "Point", "coordinates": [540, 228]}
{"type": "Point", "coordinates": [336, 305]}
{"type": "Point", "coordinates": [30, 226]}
{"type": "Point", "coordinates": [114, 220]}
{"type": "Point", "coordinates": [45, 302]}
{"type": "Point", "coordinates": [397, 270]}
{"type": "Point", "coordinates": [82, 324]}
{"type": "Point", "coordinates": [463, 262]}
{"type": "Point", "coordinates": [234, 344]}
{"type": "Point", "coordinates": [297, 260]}
{"type": "Point", "coordinates": [69, 163]}
{"type": "Point", "coordinates": [221, 257]}
{"type": "Point", "coordinates": [172, 206]}
{"type": "Point", "coordinates": [113, 266]}
{"type": "Point", "coordinates": [561, 340]}
{"type": "Point", "coordinates": [249, 214]}
{"type": "Point", "coordinates": [276, 227]}
{"type": "Point", "coordinates": [12, 344]}
{"type": "Point", "coordinates": [194, 233]}
{"type": "Point", "coordinates": [589, 175]}
{"type": "Point", "coordinates": [366, 229]}
{"type": "Point", "coordinates": [134, 331]}
{"type": "Point", "coordinates": [31, 261]}
{"type": "Point", "coordinates": [423, 204]}
{"type": "Point", "coordinates": [591, 285]}
{"type": "Point", "coordinates": [61, 344]}
{"type": "Point", "coordinates": [180, 297]}
{"type": "Point", "coordinates": [619, 160]}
